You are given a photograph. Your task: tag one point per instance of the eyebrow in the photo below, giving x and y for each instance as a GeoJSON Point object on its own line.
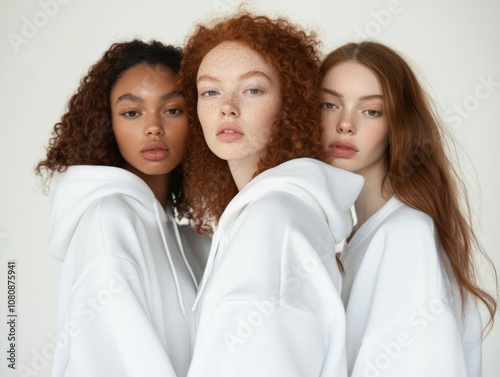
{"type": "Point", "coordinates": [134, 98]}
{"type": "Point", "coordinates": [242, 77]}
{"type": "Point", "coordinates": [364, 98]}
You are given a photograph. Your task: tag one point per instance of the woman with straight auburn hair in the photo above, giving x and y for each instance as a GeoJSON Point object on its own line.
{"type": "Point", "coordinates": [410, 288]}
{"type": "Point", "coordinates": [269, 303]}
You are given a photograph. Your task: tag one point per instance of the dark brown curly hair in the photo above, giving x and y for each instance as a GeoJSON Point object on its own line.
{"type": "Point", "coordinates": [296, 132]}
{"type": "Point", "coordinates": [84, 135]}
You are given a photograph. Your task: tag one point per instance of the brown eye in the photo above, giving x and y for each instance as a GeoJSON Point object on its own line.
{"type": "Point", "coordinates": [173, 111]}
{"type": "Point", "coordinates": [130, 114]}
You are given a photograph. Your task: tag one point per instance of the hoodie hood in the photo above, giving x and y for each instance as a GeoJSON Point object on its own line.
{"type": "Point", "coordinates": [75, 190]}
{"type": "Point", "coordinates": [331, 190]}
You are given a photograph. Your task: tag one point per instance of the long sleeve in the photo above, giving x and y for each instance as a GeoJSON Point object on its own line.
{"type": "Point", "coordinates": [404, 313]}
{"type": "Point", "coordinates": [106, 325]}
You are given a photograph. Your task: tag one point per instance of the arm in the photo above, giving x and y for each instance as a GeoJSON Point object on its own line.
{"type": "Point", "coordinates": [106, 316]}
{"type": "Point", "coordinates": [413, 316]}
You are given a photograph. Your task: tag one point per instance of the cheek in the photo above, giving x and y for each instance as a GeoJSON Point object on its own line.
{"type": "Point", "coordinates": [379, 140]}
{"type": "Point", "coordinates": [178, 135]}
{"type": "Point", "coordinates": [328, 126]}
{"type": "Point", "coordinates": [205, 112]}
{"type": "Point", "coordinates": [266, 116]}
{"type": "Point", "coordinates": [122, 137]}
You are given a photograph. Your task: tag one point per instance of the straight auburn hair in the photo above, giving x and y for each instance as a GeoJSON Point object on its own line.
{"type": "Point", "coordinates": [418, 169]}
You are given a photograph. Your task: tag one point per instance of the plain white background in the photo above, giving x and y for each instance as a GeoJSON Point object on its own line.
{"type": "Point", "coordinates": [47, 45]}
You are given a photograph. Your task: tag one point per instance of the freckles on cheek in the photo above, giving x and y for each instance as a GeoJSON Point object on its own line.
{"type": "Point", "coordinates": [205, 113]}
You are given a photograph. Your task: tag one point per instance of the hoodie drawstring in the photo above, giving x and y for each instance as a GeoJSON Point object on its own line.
{"type": "Point", "coordinates": [179, 243]}
{"type": "Point", "coordinates": [209, 267]}
{"type": "Point", "coordinates": [174, 272]}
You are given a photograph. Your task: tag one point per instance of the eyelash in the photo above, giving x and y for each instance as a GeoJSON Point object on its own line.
{"type": "Point", "coordinates": [251, 89]}
{"type": "Point", "coordinates": [127, 114]}
{"type": "Point", "coordinates": [328, 106]}
{"type": "Point", "coordinates": [176, 111]}
{"type": "Point", "coordinates": [207, 93]}
{"type": "Point", "coordinates": [377, 113]}
{"type": "Point", "coordinates": [332, 106]}
{"type": "Point", "coordinates": [173, 112]}
{"type": "Point", "coordinates": [212, 93]}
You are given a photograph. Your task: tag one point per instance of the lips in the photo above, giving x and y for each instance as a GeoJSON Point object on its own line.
{"type": "Point", "coordinates": [229, 132]}
{"type": "Point", "coordinates": [155, 150]}
{"type": "Point", "coordinates": [343, 148]}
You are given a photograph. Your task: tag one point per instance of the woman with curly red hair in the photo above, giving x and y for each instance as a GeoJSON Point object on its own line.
{"type": "Point", "coordinates": [410, 288]}
{"type": "Point", "coordinates": [114, 160]}
{"type": "Point", "coordinates": [269, 302]}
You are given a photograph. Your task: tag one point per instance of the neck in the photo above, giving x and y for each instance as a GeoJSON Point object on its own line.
{"type": "Point", "coordinates": [375, 193]}
{"type": "Point", "coordinates": [242, 172]}
{"type": "Point", "coordinates": [159, 184]}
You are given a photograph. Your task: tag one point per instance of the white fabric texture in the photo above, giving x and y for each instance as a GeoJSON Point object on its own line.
{"type": "Point", "coordinates": [269, 303]}
{"type": "Point", "coordinates": [127, 286]}
{"type": "Point", "coordinates": [403, 309]}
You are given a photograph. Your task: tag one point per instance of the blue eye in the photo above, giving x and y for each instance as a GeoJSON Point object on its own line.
{"type": "Point", "coordinates": [372, 113]}
{"type": "Point", "coordinates": [328, 105]}
{"type": "Point", "coordinates": [253, 91]}
{"type": "Point", "coordinates": [209, 93]}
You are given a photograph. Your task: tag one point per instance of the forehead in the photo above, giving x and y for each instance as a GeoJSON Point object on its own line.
{"type": "Point", "coordinates": [145, 77]}
{"type": "Point", "coordinates": [352, 77]}
{"type": "Point", "coordinates": [231, 56]}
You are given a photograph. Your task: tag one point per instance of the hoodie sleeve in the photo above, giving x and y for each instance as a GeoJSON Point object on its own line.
{"type": "Point", "coordinates": [105, 324]}
{"type": "Point", "coordinates": [271, 306]}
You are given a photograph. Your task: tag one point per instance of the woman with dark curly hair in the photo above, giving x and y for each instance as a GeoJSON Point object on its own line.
{"type": "Point", "coordinates": [269, 302]}
{"type": "Point", "coordinates": [114, 160]}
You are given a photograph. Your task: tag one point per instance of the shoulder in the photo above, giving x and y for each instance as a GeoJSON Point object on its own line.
{"type": "Point", "coordinates": [407, 221]}
{"type": "Point", "coordinates": [278, 204]}
{"type": "Point", "coordinates": [113, 215]}
{"type": "Point", "coordinates": [279, 211]}
{"type": "Point", "coordinates": [406, 238]}
{"type": "Point", "coordinates": [397, 233]}
{"type": "Point", "coordinates": [108, 237]}
{"type": "Point", "coordinates": [112, 206]}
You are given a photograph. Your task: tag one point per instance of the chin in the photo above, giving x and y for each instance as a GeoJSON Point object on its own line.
{"type": "Point", "coordinates": [341, 164]}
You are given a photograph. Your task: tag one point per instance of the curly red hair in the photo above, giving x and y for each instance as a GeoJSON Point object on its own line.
{"type": "Point", "coordinates": [296, 131]}
{"type": "Point", "coordinates": [84, 135]}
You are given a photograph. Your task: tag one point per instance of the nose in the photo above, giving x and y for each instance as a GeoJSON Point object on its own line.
{"type": "Point", "coordinates": [229, 107]}
{"type": "Point", "coordinates": [154, 126]}
{"type": "Point", "coordinates": [345, 123]}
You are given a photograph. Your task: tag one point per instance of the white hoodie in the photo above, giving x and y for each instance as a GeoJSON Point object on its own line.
{"type": "Point", "coordinates": [126, 286]}
{"type": "Point", "coordinates": [403, 308]}
{"type": "Point", "coordinates": [269, 303]}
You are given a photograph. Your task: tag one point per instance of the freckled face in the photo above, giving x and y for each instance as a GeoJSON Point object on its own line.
{"type": "Point", "coordinates": [353, 119]}
{"type": "Point", "coordinates": [239, 98]}
{"type": "Point", "coordinates": [149, 120]}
